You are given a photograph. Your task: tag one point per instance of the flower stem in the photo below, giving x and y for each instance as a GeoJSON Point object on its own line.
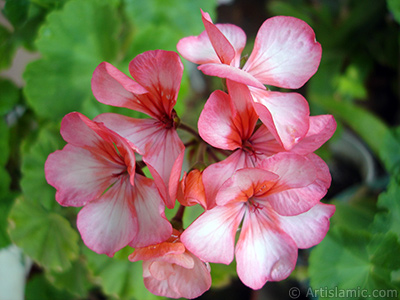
{"type": "Point", "coordinates": [190, 130]}
{"type": "Point", "coordinates": [176, 221]}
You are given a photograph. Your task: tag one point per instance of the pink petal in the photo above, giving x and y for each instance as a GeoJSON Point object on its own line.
{"type": "Point", "coordinates": [79, 176]}
{"type": "Point", "coordinates": [309, 228]}
{"type": "Point", "coordinates": [111, 86]}
{"type": "Point", "coordinates": [286, 115]}
{"type": "Point", "coordinates": [221, 45]}
{"type": "Point", "coordinates": [191, 283]}
{"type": "Point", "coordinates": [265, 143]}
{"type": "Point", "coordinates": [285, 53]}
{"type": "Point", "coordinates": [159, 72]}
{"type": "Point", "coordinates": [245, 117]}
{"type": "Point", "coordinates": [90, 163]}
{"type": "Point", "coordinates": [109, 223]}
{"type": "Point", "coordinates": [199, 50]}
{"type": "Point", "coordinates": [321, 129]}
{"type": "Point", "coordinates": [216, 174]}
{"type": "Point", "coordinates": [245, 184]}
{"type": "Point", "coordinates": [157, 251]}
{"type": "Point", "coordinates": [232, 73]}
{"type": "Point", "coordinates": [215, 124]}
{"type": "Point", "coordinates": [155, 286]}
{"type": "Point", "coordinates": [324, 178]}
{"type": "Point", "coordinates": [164, 160]}
{"type": "Point", "coordinates": [191, 189]}
{"type": "Point", "coordinates": [263, 252]}
{"type": "Point", "coordinates": [297, 189]}
{"type": "Point", "coordinates": [161, 148]}
{"type": "Point", "coordinates": [211, 236]}
{"type": "Point", "coordinates": [153, 227]}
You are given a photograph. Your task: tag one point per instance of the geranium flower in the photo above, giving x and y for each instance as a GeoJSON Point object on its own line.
{"type": "Point", "coordinates": [96, 170]}
{"type": "Point", "coordinates": [170, 270]}
{"type": "Point", "coordinates": [285, 55]}
{"type": "Point", "coordinates": [234, 128]}
{"type": "Point", "coordinates": [273, 202]}
{"type": "Point", "coordinates": [158, 75]}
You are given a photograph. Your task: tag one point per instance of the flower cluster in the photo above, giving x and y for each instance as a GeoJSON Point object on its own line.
{"type": "Point", "coordinates": [255, 172]}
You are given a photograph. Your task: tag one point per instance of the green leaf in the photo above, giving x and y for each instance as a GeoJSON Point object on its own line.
{"type": "Point", "coordinates": [6, 201]}
{"type": "Point", "coordinates": [7, 48]}
{"type": "Point", "coordinates": [183, 17]}
{"type": "Point", "coordinates": [370, 128]}
{"type": "Point", "coordinates": [119, 277]}
{"type": "Point", "coordinates": [354, 260]}
{"type": "Point", "coordinates": [39, 288]}
{"type": "Point", "coordinates": [394, 8]}
{"type": "Point", "coordinates": [354, 215]}
{"type": "Point", "coordinates": [389, 219]}
{"type": "Point", "coordinates": [75, 280]}
{"type": "Point", "coordinates": [33, 181]}
{"type": "Point", "coordinates": [222, 275]}
{"type": "Point", "coordinates": [73, 42]}
{"type": "Point", "coordinates": [16, 11]}
{"type": "Point", "coordinates": [9, 95]}
{"type": "Point", "coordinates": [46, 237]}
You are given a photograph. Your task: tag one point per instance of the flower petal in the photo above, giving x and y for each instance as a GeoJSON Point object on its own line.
{"type": "Point", "coordinates": [232, 73]}
{"type": "Point", "coordinates": [153, 227]}
{"type": "Point", "coordinates": [298, 188]}
{"type": "Point", "coordinates": [245, 117]}
{"type": "Point", "coordinates": [263, 252]}
{"type": "Point", "coordinates": [161, 148]}
{"type": "Point", "coordinates": [215, 123]}
{"type": "Point", "coordinates": [286, 115]}
{"type": "Point", "coordinates": [245, 184]}
{"type": "Point", "coordinates": [221, 45]}
{"type": "Point", "coordinates": [265, 143]}
{"type": "Point", "coordinates": [216, 174]}
{"type": "Point", "coordinates": [108, 223]}
{"type": "Point", "coordinates": [321, 129]}
{"type": "Point", "coordinates": [211, 236]}
{"type": "Point", "coordinates": [159, 72]}
{"type": "Point", "coordinates": [191, 189]}
{"type": "Point", "coordinates": [78, 176]}
{"type": "Point", "coordinates": [309, 228]}
{"type": "Point", "coordinates": [155, 286]}
{"type": "Point", "coordinates": [112, 87]}
{"type": "Point", "coordinates": [285, 53]}
{"type": "Point", "coordinates": [89, 164]}
{"type": "Point", "coordinates": [191, 283]}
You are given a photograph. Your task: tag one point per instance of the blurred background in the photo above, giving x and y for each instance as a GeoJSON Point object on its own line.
{"type": "Point", "coordinates": [48, 51]}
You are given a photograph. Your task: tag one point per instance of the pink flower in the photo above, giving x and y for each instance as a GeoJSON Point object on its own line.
{"type": "Point", "coordinates": [280, 211]}
{"type": "Point", "coordinates": [96, 169]}
{"type": "Point", "coordinates": [234, 122]}
{"type": "Point", "coordinates": [158, 75]}
{"type": "Point", "coordinates": [170, 270]}
{"type": "Point", "coordinates": [285, 55]}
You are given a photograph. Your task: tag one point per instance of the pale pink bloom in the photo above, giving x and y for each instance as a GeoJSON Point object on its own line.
{"type": "Point", "coordinates": [234, 123]}
{"type": "Point", "coordinates": [285, 55]}
{"type": "Point", "coordinates": [96, 169]}
{"type": "Point", "coordinates": [278, 211]}
{"type": "Point", "coordinates": [154, 92]}
{"type": "Point", "coordinates": [170, 270]}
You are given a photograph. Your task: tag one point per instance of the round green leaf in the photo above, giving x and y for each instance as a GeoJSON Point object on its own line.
{"type": "Point", "coordinates": [351, 260]}
{"type": "Point", "coordinates": [33, 182]}
{"type": "Point", "coordinates": [73, 42]}
{"type": "Point", "coordinates": [47, 238]}
{"type": "Point", "coordinates": [119, 277]}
